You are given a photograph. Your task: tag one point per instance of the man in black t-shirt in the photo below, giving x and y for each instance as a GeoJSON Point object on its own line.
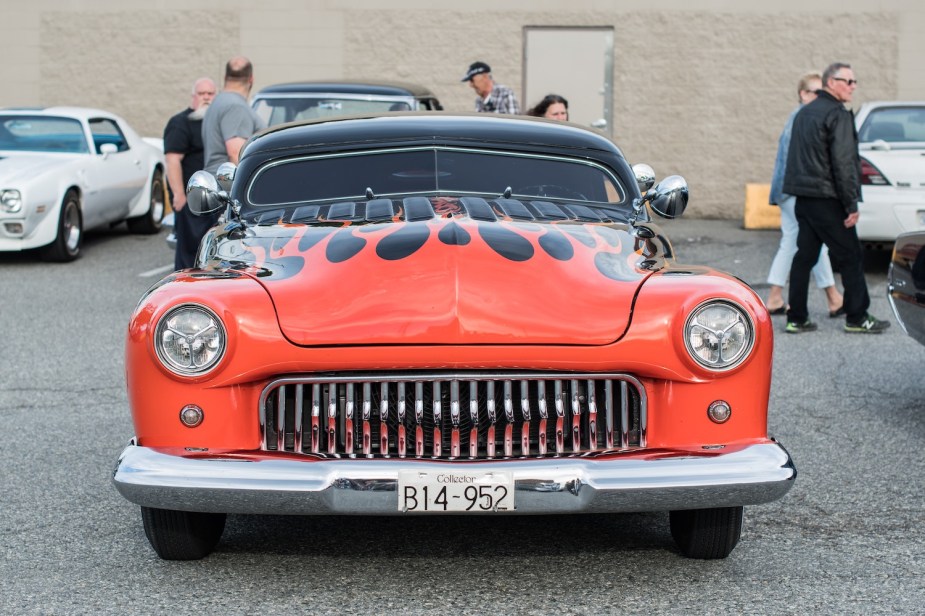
{"type": "Point", "coordinates": [184, 154]}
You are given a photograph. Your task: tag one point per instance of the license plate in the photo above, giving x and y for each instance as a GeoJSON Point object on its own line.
{"type": "Point", "coordinates": [455, 491]}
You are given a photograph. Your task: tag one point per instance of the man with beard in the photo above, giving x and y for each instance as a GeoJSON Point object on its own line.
{"type": "Point", "coordinates": [183, 151]}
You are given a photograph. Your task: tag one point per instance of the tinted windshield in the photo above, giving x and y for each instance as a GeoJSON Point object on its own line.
{"type": "Point", "coordinates": [894, 124]}
{"type": "Point", "coordinates": [292, 109]}
{"type": "Point", "coordinates": [42, 134]}
{"type": "Point", "coordinates": [417, 171]}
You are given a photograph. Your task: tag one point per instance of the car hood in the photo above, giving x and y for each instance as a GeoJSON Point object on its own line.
{"type": "Point", "coordinates": [18, 169]}
{"type": "Point", "coordinates": [903, 167]}
{"type": "Point", "coordinates": [447, 280]}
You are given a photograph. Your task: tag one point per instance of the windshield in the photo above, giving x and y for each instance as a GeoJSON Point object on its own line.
{"type": "Point", "coordinates": [297, 109]}
{"type": "Point", "coordinates": [25, 133]}
{"type": "Point", "coordinates": [894, 125]}
{"type": "Point", "coordinates": [429, 171]}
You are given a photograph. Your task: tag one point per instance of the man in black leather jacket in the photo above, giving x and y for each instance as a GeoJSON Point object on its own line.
{"type": "Point", "coordinates": [824, 173]}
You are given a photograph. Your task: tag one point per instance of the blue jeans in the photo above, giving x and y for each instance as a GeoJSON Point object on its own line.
{"type": "Point", "coordinates": [780, 266]}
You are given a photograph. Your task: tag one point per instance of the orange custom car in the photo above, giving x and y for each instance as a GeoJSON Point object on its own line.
{"type": "Point", "coordinates": [433, 314]}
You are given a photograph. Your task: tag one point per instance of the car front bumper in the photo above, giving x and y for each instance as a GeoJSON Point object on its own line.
{"type": "Point", "coordinates": [655, 481]}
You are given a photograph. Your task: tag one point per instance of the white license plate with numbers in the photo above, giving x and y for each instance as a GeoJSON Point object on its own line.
{"type": "Point", "coordinates": [455, 491]}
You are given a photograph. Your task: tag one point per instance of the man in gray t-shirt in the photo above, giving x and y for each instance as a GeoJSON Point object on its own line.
{"type": "Point", "coordinates": [230, 121]}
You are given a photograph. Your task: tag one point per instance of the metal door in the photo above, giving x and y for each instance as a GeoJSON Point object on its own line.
{"type": "Point", "coordinates": [574, 62]}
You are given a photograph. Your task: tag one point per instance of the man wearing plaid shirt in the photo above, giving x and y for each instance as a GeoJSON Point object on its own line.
{"type": "Point", "coordinates": [492, 98]}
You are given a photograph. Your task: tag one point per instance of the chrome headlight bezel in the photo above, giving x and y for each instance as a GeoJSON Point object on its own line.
{"type": "Point", "coordinates": [10, 200]}
{"type": "Point", "coordinates": [213, 344]}
{"type": "Point", "coordinates": [739, 330]}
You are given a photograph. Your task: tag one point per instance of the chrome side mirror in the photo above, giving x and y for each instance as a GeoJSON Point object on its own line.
{"type": "Point", "coordinates": [645, 177]}
{"type": "Point", "coordinates": [670, 197]}
{"type": "Point", "coordinates": [202, 194]}
{"type": "Point", "coordinates": [225, 176]}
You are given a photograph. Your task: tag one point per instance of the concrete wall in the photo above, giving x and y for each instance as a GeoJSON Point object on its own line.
{"type": "Point", "coordinates": [700, 88]}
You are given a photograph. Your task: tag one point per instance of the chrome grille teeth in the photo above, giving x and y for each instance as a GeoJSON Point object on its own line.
{"type": "Point", "coordinates": [419, 419]}
{"type": "Point", "coordinates": [348, 421]}
{"type": "Point", "coordinates": [576, 418]}
{"type": "Point", "coordinates": [316, 418]}
{"type": "Point", "coordinates": [592, 416]}
{"type": "Point", "coordinates": [299, 400]}
{"type": "Point", "coordinates": [281, 418]}
{"type": "Point", "coordinates": [500, 418]}
{"type": "Point", "coordinates": [402, 438]}
{"type": "Point", "coordinates": [332, 418]}
{"type": "Point", "coordinates": [454, 419]}
{"type": "Point", "coordinates": [438, 419]}
{"type": "Point", "coordinates": [384, 419]}
{"type": "Point", "coordinates": [367, 415]}
{"type": "Point", "coordinates": [474, 419]}
{"type": "Point", "coordinates": [559, 402]}
{"type": "Point", "coordinates": [509, 415]}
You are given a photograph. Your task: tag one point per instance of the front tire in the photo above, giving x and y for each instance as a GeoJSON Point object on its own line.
{"type": "Point", "coordinates": [150, 222]}
{"type": "Point", "coordinates": [707, 533]}
{"type": "Point", "coordinates": [182, 535]}
{"type": "Point", "coordinates": [67, 243]}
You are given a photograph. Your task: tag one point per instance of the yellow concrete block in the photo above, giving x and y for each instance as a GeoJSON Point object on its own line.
{"type": "Point", "coordinates": [758, 213]}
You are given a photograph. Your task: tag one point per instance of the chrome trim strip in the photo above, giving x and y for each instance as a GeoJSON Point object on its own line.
{"type": "Point", "coordinates": [673, 480]}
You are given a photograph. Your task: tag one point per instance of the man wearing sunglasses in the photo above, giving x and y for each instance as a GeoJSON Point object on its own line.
{"type": "Point", "coordinates": [824, 173]}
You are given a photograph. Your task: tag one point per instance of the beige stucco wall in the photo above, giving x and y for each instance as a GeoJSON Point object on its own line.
{"type": "Point", "coordinates": [700, 88]}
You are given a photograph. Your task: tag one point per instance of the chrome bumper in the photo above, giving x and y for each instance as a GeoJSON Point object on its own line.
{"type": "Point", "coordinates": [753, 475]}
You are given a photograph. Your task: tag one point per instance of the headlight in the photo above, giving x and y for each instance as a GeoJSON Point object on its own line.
{"type": "Point", "coordinates": [190, 340]}
{"type": "Point", "coordinates": [10, 201]}
{"type": "Point", "coordinates": [719, 335]}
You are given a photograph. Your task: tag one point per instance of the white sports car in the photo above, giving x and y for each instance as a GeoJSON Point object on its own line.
{"type": "Point", "coordinates": [67, 169]}
{"type": "Point", "coordinates": [892, 148]}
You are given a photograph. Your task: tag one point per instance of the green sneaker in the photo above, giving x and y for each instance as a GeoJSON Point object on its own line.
{"type": "Point", "coordinates": [868, 325]}
{"type": "Point", "coordinates": [800, 328]}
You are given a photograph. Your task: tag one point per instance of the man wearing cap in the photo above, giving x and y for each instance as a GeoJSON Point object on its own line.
{"type": "Point", "coordinates": [492, 98]}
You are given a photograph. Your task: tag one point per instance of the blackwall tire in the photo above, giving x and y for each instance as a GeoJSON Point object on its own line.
{"type": "Point", "coordinates": [707, 533]}
{"type": "Point", "coordinates": [67, 243]}
{"type": "Point", "coordinates": [182, 535]}
{"type": "Point", "coordinates": [150, 222]}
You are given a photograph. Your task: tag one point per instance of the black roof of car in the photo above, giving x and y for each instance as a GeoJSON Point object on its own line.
{"type": "Point", "coordinates": [431, 128]}
{"type": "Point", "coordinates": [381, 88]}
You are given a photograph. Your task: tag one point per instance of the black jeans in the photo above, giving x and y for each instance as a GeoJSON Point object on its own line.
{"type": "Point", "coordinates": [822, 221]}
{"type": "Point", "coordinates": [189, 230]}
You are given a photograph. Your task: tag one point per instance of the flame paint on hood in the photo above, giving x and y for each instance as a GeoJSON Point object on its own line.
{"type": "Point", "coordinates": [448, 280]}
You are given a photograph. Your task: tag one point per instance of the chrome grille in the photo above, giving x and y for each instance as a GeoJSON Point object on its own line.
{"type": "Point", "coordinates": [453, 415]}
